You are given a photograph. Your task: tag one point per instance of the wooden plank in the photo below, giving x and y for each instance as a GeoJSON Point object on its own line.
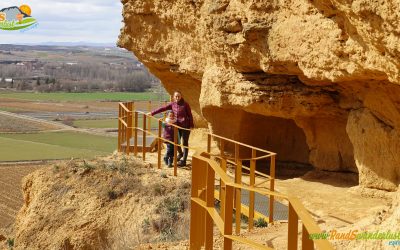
{"type": "Point", "coordinates": [213, 213]}
{"type": "Point", "coordinates": [236, 156]}
{"type": "Point", "coordinates": [293, 222]}
{"type": "Point", "coordinates": [210, 186]}
{"type": "Point", "coordinates": [124, 107]}
{"type": "Point", "coordinates": [149, 110]}
{"type": "Point", "coordinates": [306, 242]}
{"type": "Point", "coordinates": [197, 214]}
{"type": "Point", "coordinates": [129, 129]}
{"type": "Point", "coordinates": [272, 188]}
{"type": "Point", "coordinates": [248, 242]}
{"type": "Point", "coordinates": [228, 217]}
{"type": "Point", "coordinates": [208, 143]}
{"type": "Point", "coordinates": [223, 167]}
{"type": "Point", "coordinates": [135, 149]}
{"type": "Point", "coordinates": [228, 180]}
{"type": "Point", "coordinates": [159, 144]}
{"type": "Point", "coordinates": [309, 223]}
{"type": "Point", "coordinates": [119, 128]}
{"type": "Point", "coordinates": [238, 192]}
{"type": "Point", "coordinates": [144, 138]}
{"type": "Point", "coordinates": [243, 144]}
{"type": "Point", "coordinates": [175, 151]}
{"type": "Point", "coordinates": [252, 182]}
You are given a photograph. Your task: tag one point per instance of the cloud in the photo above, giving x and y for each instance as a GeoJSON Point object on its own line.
{"type": "Point", "coordinates": [69, 21]}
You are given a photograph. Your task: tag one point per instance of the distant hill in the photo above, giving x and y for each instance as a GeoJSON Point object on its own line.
{"type": "Point", "coordinates": [72, 44]}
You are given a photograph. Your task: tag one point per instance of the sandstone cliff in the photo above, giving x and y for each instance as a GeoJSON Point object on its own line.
{"type": "Point", "coordinates": [316, 81]}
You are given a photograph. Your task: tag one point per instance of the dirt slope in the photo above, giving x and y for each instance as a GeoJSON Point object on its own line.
{"type": "Point", "coordinates": [11, 198]}
{"type": "Point", "coordinates": [112, 203]}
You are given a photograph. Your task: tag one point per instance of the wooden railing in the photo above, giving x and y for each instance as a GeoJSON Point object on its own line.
{"type": "Point", "coordinates": [204, 215]}
{"type": "Point", "coordinates": [205, 167]}
{"type": "Point", "coordinates": [129, 128]}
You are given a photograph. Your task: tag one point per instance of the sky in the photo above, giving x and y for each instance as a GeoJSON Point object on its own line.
{"type": "Point", "coordinates": [93, 21]}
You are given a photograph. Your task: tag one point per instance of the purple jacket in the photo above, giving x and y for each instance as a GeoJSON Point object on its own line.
{"type": "Point", "coordinates": [168, 132]}
{"type": "Point", "coordinates": [182, 112]}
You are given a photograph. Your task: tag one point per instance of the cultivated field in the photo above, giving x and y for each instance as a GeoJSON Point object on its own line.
{"type": "Point", "coordinates": [14, 124]}
{"type": "Point", "coordinates": [53, 145]}
{"type": "Point", "coordinates": [82, 97]}
{"type": "Point", "coordinates": [11, 198]}
{"type": "Point", "coordinates": [62, 107]}
{"type": "Point", "coordinates": [24, 140]}
{"type": "Point", "coordinates": [101, 123]}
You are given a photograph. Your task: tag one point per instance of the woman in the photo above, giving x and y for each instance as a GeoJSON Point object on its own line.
{"type": "Point", "coordinates": [184, 119]}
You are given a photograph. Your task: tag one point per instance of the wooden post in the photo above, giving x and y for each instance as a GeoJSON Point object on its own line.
{"type": "Point", "coordinates": [223, 167]}
{"type": "Point", "coordinates": [175, 151]}
{"type": "Point", "coordinates": [228, 217]}
{"type": "Point", "coordinates": [209, 232]}
{"type": "Point", "coordinates": [160, 142]}
{"type": "Point", "coordinates": [252, 182]}
{"type": "Point", "coordinates": [135, 149]}
{"type": "Point", "coordinates": [129, 131]}
{"type": "Point", "coordinates": [119, 128]}
{"type": "Point", "coordinates": [208, 143]}
{"type": "Point", "coordinates": [238, 180]}
{"type": "Point", "coordinates": [236, 162]}
{"type": "Point", "coordinates": [144, 137]}
{"type": "Point", "coordinates": [197, 213]}
{"type": "Point", "coordinates": [132, 116]}
{"type": "Point", "coordinates": [272, 188]}
{"type": "Point", "coordinates": [293, 221]}
{"type": "Point", "coordinates": [149, 110]}
{"type": "Point", "coordinates": [307, 243]}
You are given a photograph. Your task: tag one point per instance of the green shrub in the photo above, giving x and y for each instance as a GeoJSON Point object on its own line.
{"type": "Point", "coordinates": [260, 222]}
{"type": "Point", "coordinates": [112, 195]}
{"type": "Point", "coordinates": [10, 243]}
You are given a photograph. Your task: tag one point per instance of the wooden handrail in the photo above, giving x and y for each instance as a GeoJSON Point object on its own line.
{"type": "Point", "coordinates": [229, 189]}
{"type": "Point", "coordinates": [228, 180]}
{"type": "Point", "coordinates": [242, 144]}
{"type": "Point", "coordinates": [124, 107]}
{"type": "Point", "coordinates": [309, 226]}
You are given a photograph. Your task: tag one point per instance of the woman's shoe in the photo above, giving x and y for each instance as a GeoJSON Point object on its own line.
{"type": "Point", "coordinates": [179, 157]}
{"type": "Point", "coordinates": [181, 163]}
{"type": "Point", "coordinates": [166, 160]}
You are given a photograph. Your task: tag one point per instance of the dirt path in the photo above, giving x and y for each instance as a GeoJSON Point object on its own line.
{"type": "Point", "coordinates": [40, 121]}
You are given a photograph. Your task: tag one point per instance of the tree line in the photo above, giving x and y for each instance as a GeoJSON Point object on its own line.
{"type": "Point", "coordinates": [79, 77]}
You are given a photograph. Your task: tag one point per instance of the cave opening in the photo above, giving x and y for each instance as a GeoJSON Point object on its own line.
{"type": "Point", "coordinates": [275, 134]}
{"type": "Point", "coordinates": [281, 136]}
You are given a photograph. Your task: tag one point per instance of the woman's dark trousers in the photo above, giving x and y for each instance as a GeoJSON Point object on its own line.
{"type": "Point", "coordinates": [183, 136]}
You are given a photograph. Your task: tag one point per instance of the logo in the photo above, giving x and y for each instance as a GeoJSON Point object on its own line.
{"type": "Point", "coordinates": [17, 18]}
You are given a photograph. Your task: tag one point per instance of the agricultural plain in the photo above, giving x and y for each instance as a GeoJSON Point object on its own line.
{"type": "Point", "coordinates": [30, 137]}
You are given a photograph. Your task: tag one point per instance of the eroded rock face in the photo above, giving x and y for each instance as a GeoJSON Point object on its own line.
{"type": "Point", "coordinates": [289, 76]}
